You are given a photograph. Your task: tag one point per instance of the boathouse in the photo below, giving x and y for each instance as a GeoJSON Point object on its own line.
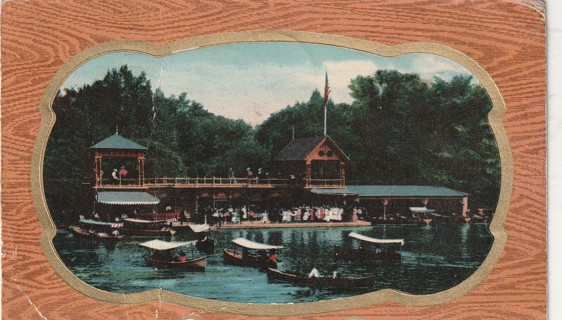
{"type": "Point", "coordinates": [307, 170]}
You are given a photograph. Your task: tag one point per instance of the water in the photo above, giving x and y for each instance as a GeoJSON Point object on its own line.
{"type": "Point", "coordinates": [434, 258]}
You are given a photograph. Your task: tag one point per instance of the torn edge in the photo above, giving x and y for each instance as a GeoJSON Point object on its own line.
{"type": "Point", "coordinates": [538, 5]}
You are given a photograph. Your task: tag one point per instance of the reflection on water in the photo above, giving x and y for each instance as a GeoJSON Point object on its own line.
{"type": "Point", "coordinates": [435, 257]}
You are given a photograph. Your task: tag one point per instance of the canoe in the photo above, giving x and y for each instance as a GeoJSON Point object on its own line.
{"type": "Point", "coordinates": [86, 233]}
{"type": "Point", "coordinates": [146, 228]}
{"type": "Point", "coordinates": [327, 282]}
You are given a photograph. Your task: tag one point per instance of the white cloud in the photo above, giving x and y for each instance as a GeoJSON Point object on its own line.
{"type": "Point", "coordinates": [430, 65]}
{"type": "Point", "coordinates": [340, 74]}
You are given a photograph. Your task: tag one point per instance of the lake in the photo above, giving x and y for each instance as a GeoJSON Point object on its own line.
{"type": "Point", "coordinates": [434, 258]}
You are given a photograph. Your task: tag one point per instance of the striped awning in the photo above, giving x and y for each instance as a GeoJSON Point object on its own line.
{"type": "Point", "coordinates": [127, 198]}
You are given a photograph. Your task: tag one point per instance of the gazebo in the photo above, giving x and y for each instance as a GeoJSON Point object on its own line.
{"type": "Point", "coordinates": [116, 146]}
{"type": "Point", "coordinates": [317, 162]}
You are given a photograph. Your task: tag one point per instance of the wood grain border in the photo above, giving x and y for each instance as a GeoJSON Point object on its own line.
{"type": "Point", "coordinates": [504, 37]}
{"type": "Point", "coordinates": [495, 117]}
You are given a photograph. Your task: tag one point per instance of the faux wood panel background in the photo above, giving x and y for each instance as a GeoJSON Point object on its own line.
{"type": "Point", "coordinates": [505, 38]}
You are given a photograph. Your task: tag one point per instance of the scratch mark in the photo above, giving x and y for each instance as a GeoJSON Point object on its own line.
{"type": "Point", "coordinates": [15, 253]}
{"type": "Point", "coordinates": [31, 303]}
{"type": "Point", "coordinates": [159, 302]}
{"type": "Point", "coordinates": [157, 86]}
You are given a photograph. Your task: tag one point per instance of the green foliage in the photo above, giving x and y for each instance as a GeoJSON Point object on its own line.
{"type": "Point", "coordinates": [399, 129]}
{"type": "Point", "coordinates": [182, 138]}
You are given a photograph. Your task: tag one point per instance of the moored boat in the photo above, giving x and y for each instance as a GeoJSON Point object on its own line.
{"type": "Point", "coordinates": [338, 282]}
{"type": "Point", "coordinates": [162, 257]}
{"type": "Point", "coordinates": [146, 228]}
{"type": "Point", "coordinates": [96, 230]}
{"type": "Point", "coordinates": [370, 249]}
{"type": "Point", "coordinates": [251, 254]}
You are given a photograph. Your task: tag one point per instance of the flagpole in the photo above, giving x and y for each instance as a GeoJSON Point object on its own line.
{"type": "Point", "coordinates": [325, 117]}
{"type": "Point", "coordinates": [326, 96]}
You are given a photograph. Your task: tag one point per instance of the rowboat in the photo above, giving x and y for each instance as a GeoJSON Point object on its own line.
{"type": "Point", "coordinates": [162, 258]}
{"type": "Point", "coordinates": [146, 228]}
{"type": "Point", "coordinates": [370, 249]}
{"type": "Point", "coordinates": [252, 254]}
{"type": "Point", "coordinates": [97, 230]}
{"type": "Point", "coordinates": [329, 282]}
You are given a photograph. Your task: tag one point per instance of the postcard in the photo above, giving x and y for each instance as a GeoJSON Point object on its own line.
{"type": "Point", "coordinates": [275, 172]}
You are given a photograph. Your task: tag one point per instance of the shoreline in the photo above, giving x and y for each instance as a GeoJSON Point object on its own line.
{"type": "Point", "coordinates": [261, 225]}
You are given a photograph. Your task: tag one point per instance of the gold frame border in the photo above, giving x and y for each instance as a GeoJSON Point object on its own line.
{"type": "Point", "coordinates": [308, 308]}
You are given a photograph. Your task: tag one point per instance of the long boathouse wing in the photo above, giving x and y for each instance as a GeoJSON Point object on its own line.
{"type": "Point", "coordinates": [409, 194]}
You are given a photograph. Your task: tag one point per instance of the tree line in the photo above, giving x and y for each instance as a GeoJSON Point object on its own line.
{"type": "Point", "coordinates": [399, 129]}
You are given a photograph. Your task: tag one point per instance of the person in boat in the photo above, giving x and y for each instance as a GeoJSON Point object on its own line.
{"type": "Point", "coordinates": [314, 272]}
{"type": "Point", "coordinates": [335, 274]}
{"type": "Point", "coordinates": [262, 257]}
{"type": "Point", "coordinates": [272, 259]}
{"type": "Point", "coordinates": [182, 257]}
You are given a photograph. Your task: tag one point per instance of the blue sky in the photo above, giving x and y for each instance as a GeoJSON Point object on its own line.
{"type": "Point", "coordinates": [250, 81]}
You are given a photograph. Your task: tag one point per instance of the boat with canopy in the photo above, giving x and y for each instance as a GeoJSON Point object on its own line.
{"type": "Point", "coordinates": [324, 282]}
{"type": "Point", "coordinates": [370, 249]}
{"type": "Point", "coordinates": [251, 254]}
{"type": "Point", "coordinates": [162, 255]}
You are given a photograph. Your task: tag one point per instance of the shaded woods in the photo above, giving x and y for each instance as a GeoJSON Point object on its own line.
{"type": "Point", "coordinates": [400, 129]}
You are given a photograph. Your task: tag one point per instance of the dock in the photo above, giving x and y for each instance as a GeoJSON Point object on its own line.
{"type": "Point", "coordinates": [261, 225]}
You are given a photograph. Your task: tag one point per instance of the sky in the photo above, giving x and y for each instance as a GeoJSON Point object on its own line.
{"type": "Point", "coordinates": [250, 81]}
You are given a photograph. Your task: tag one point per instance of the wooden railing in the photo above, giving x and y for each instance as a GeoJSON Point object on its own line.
{"type": "Point", "coordinates": [219, 182]}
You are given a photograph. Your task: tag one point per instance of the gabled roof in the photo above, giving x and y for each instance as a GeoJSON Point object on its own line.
{"type": "Point", "coordinates": [299, 149]}
{"type": "Point", "coordinates": [117, 142]}
{"type": "Point", "coordinates": [403, 191]}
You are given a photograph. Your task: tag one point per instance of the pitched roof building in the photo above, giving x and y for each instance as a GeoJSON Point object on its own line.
{"type": "Point", "coordinates": [315, 161]}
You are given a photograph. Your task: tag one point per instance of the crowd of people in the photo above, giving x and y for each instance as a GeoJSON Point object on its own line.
{"type": "Point", "coordinates": [299, 214]}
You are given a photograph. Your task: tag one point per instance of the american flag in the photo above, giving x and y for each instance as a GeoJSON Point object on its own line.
{"type": "Point", "coordinates": [327, 89]}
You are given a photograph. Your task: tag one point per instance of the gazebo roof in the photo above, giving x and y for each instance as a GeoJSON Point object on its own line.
{"type": "Point", "coordinates": [117, 142]}
{"type": "Point", "coordinates": [299, 149]}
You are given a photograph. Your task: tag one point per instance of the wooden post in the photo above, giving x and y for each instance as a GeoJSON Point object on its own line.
{"type": "Point", "coordinates": [196, 209]}
{"type": "Point", "coordinates": [97, 168]}
{"type": "Point", "coordinates": [342, 173]}
{"type": "Point", "coordinates": [308, 174]}
{"type": "Point", "coordinates": [464, 206]}
{"type": "Point", "coordinates": [385, 203]}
